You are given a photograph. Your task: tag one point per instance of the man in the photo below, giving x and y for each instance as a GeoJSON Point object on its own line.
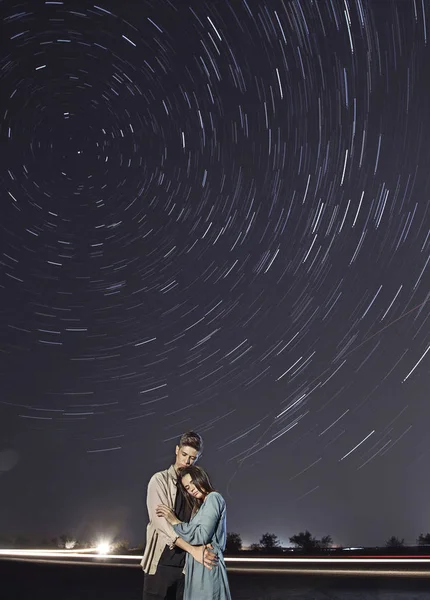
{"type": "Point", "coordinates": [164, 558]}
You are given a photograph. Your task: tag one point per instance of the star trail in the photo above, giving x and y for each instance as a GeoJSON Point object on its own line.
{"type": "Point", "coordinates": [215, 216]}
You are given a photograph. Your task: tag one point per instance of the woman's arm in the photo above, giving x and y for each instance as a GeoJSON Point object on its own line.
{"type": "Point", "coordinates": [200, 553]}
{"type": "Point", "coordinates": [202, 527]}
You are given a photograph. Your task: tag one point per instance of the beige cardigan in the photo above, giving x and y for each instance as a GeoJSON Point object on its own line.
{"type": "Point", "coordinates": [161, 490]}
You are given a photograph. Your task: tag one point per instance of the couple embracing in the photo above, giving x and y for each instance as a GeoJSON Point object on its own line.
{"type": "Point", "coordinates": [186, 533]}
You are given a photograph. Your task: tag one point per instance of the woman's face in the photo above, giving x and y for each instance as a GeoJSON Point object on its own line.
{"type": "Point", "coordinates": [189, 486]}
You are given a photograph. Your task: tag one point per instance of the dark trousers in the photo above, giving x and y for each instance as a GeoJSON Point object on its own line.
{"type": "Point", "coordinates": [166, 584]}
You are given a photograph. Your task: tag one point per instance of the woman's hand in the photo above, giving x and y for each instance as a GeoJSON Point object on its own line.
{"type": "Point", "coordinates": [168, 514]}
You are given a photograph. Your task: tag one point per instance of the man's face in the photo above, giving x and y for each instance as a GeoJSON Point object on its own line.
{"type": "Point", "coordinates": [185, 456]}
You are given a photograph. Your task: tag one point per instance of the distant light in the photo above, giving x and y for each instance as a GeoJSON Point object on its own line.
{"type": "Point", "coordinates": [103, 548]}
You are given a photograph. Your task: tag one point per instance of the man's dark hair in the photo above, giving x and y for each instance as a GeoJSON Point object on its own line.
{"type": "Point", "coordinates": [201, 481]}
{"type": "Point", "coordinates": [193, 440]}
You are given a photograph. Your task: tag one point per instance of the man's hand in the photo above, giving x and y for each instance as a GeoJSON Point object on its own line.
{"type": "Point", "coordinates": [205, 556]}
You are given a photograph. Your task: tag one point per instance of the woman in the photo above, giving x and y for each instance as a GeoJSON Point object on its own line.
{"type": "Point", "coordinates": [207, 526]}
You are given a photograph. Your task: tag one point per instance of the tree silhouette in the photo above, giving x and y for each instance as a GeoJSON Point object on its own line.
{"type": "Point", "coordinates": [234, 543]}
{"type": "Point", "coordinates": [394, 542]}
{"type": "Point", "coordinates": [255, 548]}
{"type": "Point", "coordinates": [325, 542]}
{"type": "Point", "coordinates": [269, 542]}
{"type": "Point", "coordinates": [424, 539]}
{"type": "Point", "coordinates": [305, 541]}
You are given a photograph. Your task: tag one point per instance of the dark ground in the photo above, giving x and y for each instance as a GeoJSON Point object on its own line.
{"type": "Point", "coordinates": [22, 581]}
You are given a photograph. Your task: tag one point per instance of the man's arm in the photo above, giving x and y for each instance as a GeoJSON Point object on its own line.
{"type": "Point", "coordinates": [156, 495]}
{"type": "Point", "coordinates": [180, 543]}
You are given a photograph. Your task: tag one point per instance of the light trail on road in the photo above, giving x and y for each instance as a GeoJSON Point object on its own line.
{"type": "Point", "coordinates": [342, 572]}
{"type": "Point", "coordinates": [113, 562]}
{"type": "Point", "coordinates": [94, 555]}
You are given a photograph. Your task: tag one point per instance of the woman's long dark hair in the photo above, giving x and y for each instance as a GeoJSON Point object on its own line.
{"type": "Point", "coordinates": [201, 481]}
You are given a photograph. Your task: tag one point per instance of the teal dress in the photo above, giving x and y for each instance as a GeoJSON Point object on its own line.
{"type": "Point", "coordinates": [207, 526]}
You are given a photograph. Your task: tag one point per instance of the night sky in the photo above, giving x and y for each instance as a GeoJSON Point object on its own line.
{"type": "Point", "coordinates": [215, 216]}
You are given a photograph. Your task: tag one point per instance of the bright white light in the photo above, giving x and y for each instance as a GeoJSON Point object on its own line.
{"type": "Point", "coordinates": [103, 547]}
